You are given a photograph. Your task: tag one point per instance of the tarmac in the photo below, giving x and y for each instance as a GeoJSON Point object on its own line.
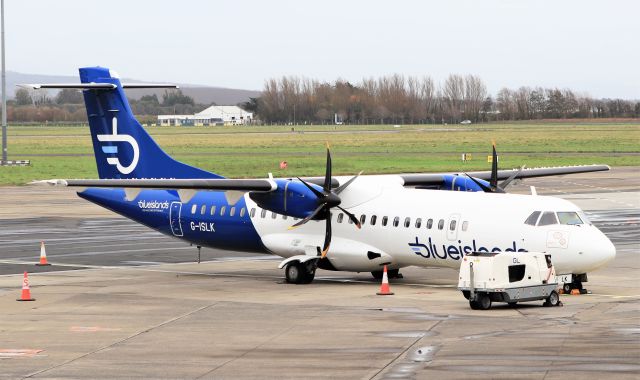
{"type": "Point", "coordinates": [122, 301]}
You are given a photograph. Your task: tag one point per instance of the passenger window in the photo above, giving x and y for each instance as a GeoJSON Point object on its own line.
{"type": "Point", "coordinates": [349, 220]}
{"type": "Point", "coordinates": [396, 221]}
{"type": "Point", "coordinates": [340, 216]}
{"type": "Point", "coordinates": [232, 211]}
{"type": "Point", "coordinates": [407, 222]}
{"type": "Point", "coordinates": [253, 212]}
{"type": "Point", "coordinates": [441, 224]}
{"type": "Point", "coordinates": [223, 209]}
{"type": "Point", "coordinates": [273, 215]}
{"type": "Point", "coordinates": [548, 218]}
{"type": "Point", "coordinates": [516, 272]}
{"type": "Point", "coordinates": [213, 210]}
{"type": "Point", "coordinates": [203, 209]}
{"type": "Point", "coordinates": [570, 218]}
{"type": "Point", "coordinates": [418, 222]}
{"type": "Point", "coordinates": [465, 225]}
{"type": "Point", "coordinates": [263, 213]}
{"type": "Point", "coordinates": [452, 225]}
{"type": "Point", "coordinates": [533, 218]}
{"type": "Point", "coordinates": [242, 211]}
{"type": "Point", "coordinates": [284, 217]}
{"type": "Point", "coordinates": [194, 208]}
{"type": "Point", "coordinates": [384, 220]}
{"type": "Point", "coordinates": [373, 220]}
{"type": "Point", "coordinates": [429, 223]}
{"type": "Point", "coordinates": [363, 219]}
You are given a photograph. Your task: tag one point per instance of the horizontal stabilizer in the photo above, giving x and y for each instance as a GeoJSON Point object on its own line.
{"type": "Point", "coordinates": [96, 86]}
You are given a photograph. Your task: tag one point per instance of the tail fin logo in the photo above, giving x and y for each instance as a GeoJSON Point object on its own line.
{"type": "Point", "coordinates": [113, 149]}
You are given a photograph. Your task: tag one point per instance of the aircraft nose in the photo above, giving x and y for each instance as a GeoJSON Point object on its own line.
{"type": "Point", "coordinates": [605, 251]}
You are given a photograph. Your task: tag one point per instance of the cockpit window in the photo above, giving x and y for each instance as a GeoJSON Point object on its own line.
{"type": "Point", "coordinates": [570, 218]}
{"type": "Point", "coordinates": [548, 218]}
{"type": "Point", "coordinates": [533, 218]}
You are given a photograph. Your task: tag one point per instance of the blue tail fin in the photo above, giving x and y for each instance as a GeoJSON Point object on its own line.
{"type": "Point", "coordinates": [123, 149]}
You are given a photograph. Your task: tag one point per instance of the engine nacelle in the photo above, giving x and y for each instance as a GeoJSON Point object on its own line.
{"type": "Point", "coordinates": [291, 198]}
{"type": "Point", "coordinates": [453, 182]}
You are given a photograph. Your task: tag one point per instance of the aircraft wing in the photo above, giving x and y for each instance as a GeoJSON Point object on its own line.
{"type": "Point", "coordinates": [437, 179]}
{"type": "Point", "coordinates": [219, 184]}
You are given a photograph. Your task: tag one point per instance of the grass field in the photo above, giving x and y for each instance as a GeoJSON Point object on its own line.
{"type": "Point", "coordinates": [255, 151]}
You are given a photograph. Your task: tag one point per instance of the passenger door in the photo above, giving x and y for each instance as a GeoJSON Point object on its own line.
{"type": "Point", "coordinates": [174, 218]}
{"type": "Point", "coordinates": [452, 227]}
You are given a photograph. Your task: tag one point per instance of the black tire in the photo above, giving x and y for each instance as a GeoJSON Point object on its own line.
{"type": "Point", "coordinates": [474, 305]}
{"type": "Point", "coordinates": [484, 302]}
{"type": "Point", "coordinates": [553, 299]}
{"type": "Point", "coordinates": [377, 274]}
{"type": "Point", "coordinates": [394, 273]}
{"type": "Point", "coordinates": [294, 273]}
{"type": "Point", "coordinates": [566, 288]}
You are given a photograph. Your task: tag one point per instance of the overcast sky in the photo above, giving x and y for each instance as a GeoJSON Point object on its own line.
{"type": "Point", "coordinates": [589, 46]}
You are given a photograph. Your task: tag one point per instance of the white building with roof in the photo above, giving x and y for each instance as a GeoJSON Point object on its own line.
{"type": "Point", "coordinates": [214, 115]}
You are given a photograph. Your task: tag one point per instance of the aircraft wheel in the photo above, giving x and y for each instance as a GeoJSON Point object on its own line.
{"type": "Point", "coordinates": [484, 301]}
{"type": "Point", "coordinates": [566, 288]}
{"type": "Point", "coordinates": [294, 272]}
{"type": "Point", "coordinates": [553, 299]}
{"type": "Point", "coordinates": [377, 274]}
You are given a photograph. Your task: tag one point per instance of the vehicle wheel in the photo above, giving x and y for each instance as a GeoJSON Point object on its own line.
{"type": "Point", "coordinates": [294, 273]}
{"type": "Point", "coordinates": [474, 305]}
{"type": "Point", "coordinates": [377, 274]}
{"type": "Point", "coordinates": [553, 299]}
{"type": "Point", "coordinates": [308, 274]}
{"type": "Point", "coordinates": [566, 288]}
{"type": "Point", "coordinates": [484, 301]}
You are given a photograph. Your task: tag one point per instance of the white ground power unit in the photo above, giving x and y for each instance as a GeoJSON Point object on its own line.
{"type": "Point", "coordinates": [510, 277]}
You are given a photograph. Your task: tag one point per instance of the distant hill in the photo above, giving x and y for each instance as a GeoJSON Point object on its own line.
{"type": "Point", "coordinates": [201, 94]}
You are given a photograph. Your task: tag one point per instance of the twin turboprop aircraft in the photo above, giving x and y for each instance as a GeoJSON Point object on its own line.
{"type": "Point", "coordinates": [356, 224]}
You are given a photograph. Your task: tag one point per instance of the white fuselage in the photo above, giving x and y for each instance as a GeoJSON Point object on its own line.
{"type": "Point", "coordinates": [460, 222]}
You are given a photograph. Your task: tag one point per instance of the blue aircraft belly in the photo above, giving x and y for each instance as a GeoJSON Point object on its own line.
{"type": "Point", "coordinates": [163, 211]}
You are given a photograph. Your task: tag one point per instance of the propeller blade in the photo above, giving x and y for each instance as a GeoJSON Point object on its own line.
{"type": "Point", "coordinates": [482, 186]}
{"type": "Point", "coordinates": [494, 169]}
{"type": "Point", "coordinates": [507, 181]}
{"type": "Point", "coordinates": [316, 192]}
{"type": "Point", "coordinates": [327, 176]}
{"type": "Point", "coordinates": [352, 217]}
{"type": "Point", "coordinates": [308, 218]}
{"type": "Point", "coordinates": [327, 237]}
{"type": "Point", "coordinates": [344, 186]}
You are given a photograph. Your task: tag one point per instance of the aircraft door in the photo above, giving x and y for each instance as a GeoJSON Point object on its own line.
{"type": "Point", "coordinates": [174, 218]}
{"type": "Point", "coordinates": [452, 227]}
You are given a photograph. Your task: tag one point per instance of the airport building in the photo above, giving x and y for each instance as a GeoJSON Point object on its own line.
{"type": "Point", "coordinates": [214, 115]}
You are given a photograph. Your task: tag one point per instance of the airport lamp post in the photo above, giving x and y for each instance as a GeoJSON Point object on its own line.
{"type": "Point", "coordinates": [4, 91]}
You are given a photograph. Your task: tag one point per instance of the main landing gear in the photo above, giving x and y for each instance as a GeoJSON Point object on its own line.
{"type": "Point", "coordinates": [300, 273]}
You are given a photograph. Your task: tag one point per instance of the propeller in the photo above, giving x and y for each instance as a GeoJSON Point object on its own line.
{"type": "Point", "coordinates": [494, 187]}
{"type": "Point", "coordinates": [326, 200]}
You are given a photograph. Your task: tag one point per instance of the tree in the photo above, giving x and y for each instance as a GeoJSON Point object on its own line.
{"type": "Point", "coordinates": [69, 96]}
{"type": "Point", "coordinates": [23, 97]}
{"type": "Point", "coordinates": [173, 98]}
{"type": "Point", "coordinates": [252, 105]}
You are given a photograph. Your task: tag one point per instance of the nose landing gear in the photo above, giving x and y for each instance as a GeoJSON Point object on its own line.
{"type": "Point", "coordinates": [575, 286]}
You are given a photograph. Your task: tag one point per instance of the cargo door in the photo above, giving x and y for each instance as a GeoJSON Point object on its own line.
{"type": "Point", "coordinates": [174, 218]}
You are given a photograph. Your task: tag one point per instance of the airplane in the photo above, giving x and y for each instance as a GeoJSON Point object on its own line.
{"type": "Point", "coordinates": [341, 223]}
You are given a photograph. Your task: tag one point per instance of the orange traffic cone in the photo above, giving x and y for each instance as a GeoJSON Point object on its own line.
{"type": "Point", "coordinates": [43, 256]}
{"type": "Point", "coordinates": [384, 288]}
{"type": "Point", "coordinates": [26, 292]}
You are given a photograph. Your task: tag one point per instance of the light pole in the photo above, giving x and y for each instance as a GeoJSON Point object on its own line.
{"type": "Point", "coordinates": [4, 91]}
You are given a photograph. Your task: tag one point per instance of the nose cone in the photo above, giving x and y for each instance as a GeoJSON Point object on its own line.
{"type": "Point", "coordinates": [604, 251]}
